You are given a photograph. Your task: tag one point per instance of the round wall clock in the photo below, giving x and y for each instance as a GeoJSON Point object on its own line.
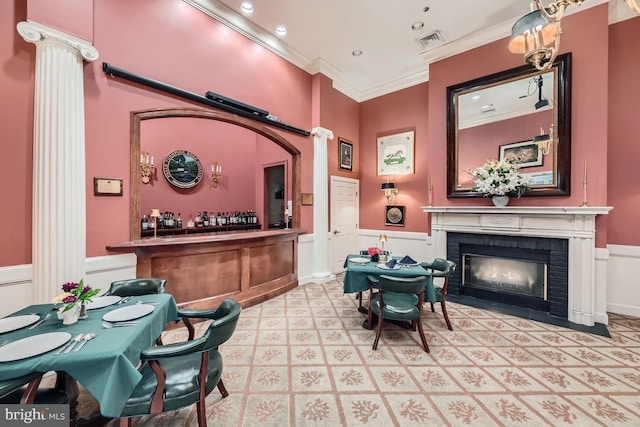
{"type": "Point", "coordinates": [182, 169]}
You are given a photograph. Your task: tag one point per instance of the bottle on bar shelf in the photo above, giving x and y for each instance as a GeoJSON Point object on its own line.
{"type": "Point", "coordinates": [144, 223]}
{"type": "Point", "coordinates": [179, 221]}
{"type": "Point", "coordinates": [205, 219]}
{"type": "Point", "coordinates": [190, 223]}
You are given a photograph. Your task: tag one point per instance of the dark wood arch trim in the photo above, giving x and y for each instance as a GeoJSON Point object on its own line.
{"type": "Point", "coordinates": [163, 113]}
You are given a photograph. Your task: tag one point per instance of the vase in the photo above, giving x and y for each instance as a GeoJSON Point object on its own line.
{"type": "Point", "coordinates": [83, 311]}
{"type": "Point", "coordinates": [500, 201]}
{"type": "Point", "coordinates": [70, 316]}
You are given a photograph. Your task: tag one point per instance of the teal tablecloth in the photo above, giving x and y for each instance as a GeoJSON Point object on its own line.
{"type": "Point", "coordinates": [106, 366]}
{"type": "Point", "coordinates": [355, 279]}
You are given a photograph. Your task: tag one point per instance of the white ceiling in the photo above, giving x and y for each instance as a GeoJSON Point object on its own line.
{"type": "Point", "coordinates": [322, 34]}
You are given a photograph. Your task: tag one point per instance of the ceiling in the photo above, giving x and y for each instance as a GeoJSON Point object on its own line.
{"type": "Point", "coordinates": [323, 34]}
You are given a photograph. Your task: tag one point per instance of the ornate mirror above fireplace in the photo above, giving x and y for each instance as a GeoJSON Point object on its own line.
{"type": "Point", "coordinates": [511, 113]}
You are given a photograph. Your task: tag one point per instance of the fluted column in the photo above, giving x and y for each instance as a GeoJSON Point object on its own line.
{"type": "Point", "coordinates": [320, 204]}
{"type": "Point", "coordinates": [59, 195]}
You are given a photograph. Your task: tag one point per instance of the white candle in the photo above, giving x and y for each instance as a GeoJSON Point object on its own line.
{"type": "Point", "coordinates": [584, 178]}
{"type": "Point", "coordinates": [151, 160]}
{"type": "Point", "coordinates": [141, 158]}
{"type": "Point", "coordinates": [212, 170]}
{"type": "Point", "coordinates": [219, 169]}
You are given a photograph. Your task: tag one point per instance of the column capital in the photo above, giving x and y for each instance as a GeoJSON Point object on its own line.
{"type": "Point", "coordinates": [34, 32]}
{"type": "Point", "coordinates": [322, 133]}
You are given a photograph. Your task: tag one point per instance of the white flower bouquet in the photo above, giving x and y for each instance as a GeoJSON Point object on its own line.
{"type": "Point", "coordinates": [500, 178]}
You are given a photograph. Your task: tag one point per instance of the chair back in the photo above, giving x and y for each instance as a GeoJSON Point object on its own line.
{"type": "Point", "coordinates": [402, 285]}
{"type": "Point", "coordinates": [137, 287]}
{"type": "Point", "coordinates": [224, 324]}
{"type": "Point", "coordinates": [445, 267]}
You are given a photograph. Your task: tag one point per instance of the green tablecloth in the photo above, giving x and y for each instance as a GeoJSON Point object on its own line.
{"type": "Point", "coordinates": [355, 279]}
{"type": "Point", "coordinates": [106, 366]}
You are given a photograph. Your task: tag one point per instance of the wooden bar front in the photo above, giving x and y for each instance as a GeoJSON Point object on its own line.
{"type": "Point", "coordinates": [201, 270]}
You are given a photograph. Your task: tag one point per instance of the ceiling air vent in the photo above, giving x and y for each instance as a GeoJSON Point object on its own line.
{"type": "Point", "coordinates": [431, 40]}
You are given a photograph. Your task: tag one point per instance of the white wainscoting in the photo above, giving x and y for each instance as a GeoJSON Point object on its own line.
{"type": "Point", "coordinates": [623, 280]}
{"type": "Point", "coordinates": [399, 243]}
{"type": "Point", "coordinates": [305, 258]}
{"type": "Point", "coordinates": [16, 280]}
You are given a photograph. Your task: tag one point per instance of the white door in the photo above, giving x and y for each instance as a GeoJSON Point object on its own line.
{"type": "Point", "coordinates": [345, 214]}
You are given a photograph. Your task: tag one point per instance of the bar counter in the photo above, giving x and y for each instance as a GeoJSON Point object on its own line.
{"type": "Point", "coordinates": [201, 270]}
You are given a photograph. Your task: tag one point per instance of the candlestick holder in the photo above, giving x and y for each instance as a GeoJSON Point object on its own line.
{"type": "Point", "coordinates": [216, 173]}
{"type": "Point", "coordinates": [146, 167]}
{"type": "Point", "coordinates": [584, 196]}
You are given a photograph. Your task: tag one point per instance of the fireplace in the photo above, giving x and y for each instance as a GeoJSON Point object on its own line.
{"type": "Point", "coordinates": [528, 272]}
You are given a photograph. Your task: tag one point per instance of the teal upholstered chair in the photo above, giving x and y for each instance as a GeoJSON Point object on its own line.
{"type": "Point", "coordinates": [400, 299]}
{"type": "Point", "coordinates": [181, 374]}
{"type": "Point", "coordinates": [441, 268]}
{"type": "Point", "coordinates": [137, 287]}
{"type": "Point", "coordinates": [25, 390]}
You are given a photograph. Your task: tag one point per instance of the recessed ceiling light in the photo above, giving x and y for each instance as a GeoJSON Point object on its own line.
{"type": "Point", "coordinates": [246, 7]}
{"type": "Point", "coordinates": [356, 52]}
{"type": "Point", "coordinates": [417, 26]}
{"type": "Point", "coordinates": [281, 30]}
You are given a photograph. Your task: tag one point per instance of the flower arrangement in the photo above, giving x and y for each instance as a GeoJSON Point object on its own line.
{"type": "Point", "coordinates": [500, 178]}
{"type": "Point", "coordinates": [374, 251]}
{"type": "Point", "coordinates": [74, 293]}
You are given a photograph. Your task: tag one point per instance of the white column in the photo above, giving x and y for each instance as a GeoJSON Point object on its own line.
{"type": "Point", "coordinates": [59, 195]}
{"type": "Point", "coordinates": [321, 270]}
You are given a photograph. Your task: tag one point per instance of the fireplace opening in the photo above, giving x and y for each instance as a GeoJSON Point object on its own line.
{"type": "Point", "coordinates": [505, 279]}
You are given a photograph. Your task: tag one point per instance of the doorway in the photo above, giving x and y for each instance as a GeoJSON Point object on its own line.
{"type": "Point", "coordinates": [345, 214]}
{"type": "Point", "coordinates": [275, 185]}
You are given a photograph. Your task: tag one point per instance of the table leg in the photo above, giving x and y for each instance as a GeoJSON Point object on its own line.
{"type": "Point", "coordinates": [67, 383]}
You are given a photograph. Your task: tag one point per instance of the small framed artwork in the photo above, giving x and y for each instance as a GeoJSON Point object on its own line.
{"type": "Point", "coordinates": [306, 199]}
{"type": "Point", "coordinates": [394, 215]}
{"type": "Point", "coordinates": [396, 154]}
{"type": "Point", "coordinates": [346, 154]}
{"type": "Point", "coordinates": [525, 154]}
{"type": "Point", "coordinates": [107, 186]}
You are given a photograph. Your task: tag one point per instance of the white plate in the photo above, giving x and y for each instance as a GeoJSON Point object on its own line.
{"type": "Point", "coordinates": [359, 260]}
{"type": "Point", "coordinates": [33, 346]}
{"type": "Point", "coordinates": [99, 302]}
{"type": "Point", "coordinates": [384, 267]}
{"type": "Point", "coordinates": [16, 322]}
{"type": "Point", "coordinates": [128, 313]}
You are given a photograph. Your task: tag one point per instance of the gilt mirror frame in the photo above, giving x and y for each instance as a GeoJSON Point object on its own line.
{"type": "Point", "coordinates": [561, 185]}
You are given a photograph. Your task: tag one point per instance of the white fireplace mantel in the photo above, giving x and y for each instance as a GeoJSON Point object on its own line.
{"type": "Point", "coordinates": [576, 224]}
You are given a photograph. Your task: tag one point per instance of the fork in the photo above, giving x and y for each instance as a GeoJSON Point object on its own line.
{"type": "Point", "coordinates": [40, 322]}
{"type": "Point", "coordinates": [110, 325]}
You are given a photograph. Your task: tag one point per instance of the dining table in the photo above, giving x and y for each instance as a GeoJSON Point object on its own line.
{"type": "Point", "coordinates": [360, 267]}
{"type": "Point", "coordinates": [106, 366]}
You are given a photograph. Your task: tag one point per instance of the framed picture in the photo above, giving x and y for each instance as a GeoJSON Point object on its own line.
{"type": "Point", "coordinates": [525, 154]}
{"type": "Point", "coordinates": [306, 199]}
{"type": "Point", "coordinates": [346, 154]}
{"type": "Point", "coordinates": [394, 215]}
{"type": "Point", "coordinates": [107, 186]}
{"type": "Point", "coordinates": [395, 154]}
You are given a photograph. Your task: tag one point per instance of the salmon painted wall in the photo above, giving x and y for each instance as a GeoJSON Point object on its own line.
{"type": "Point", "coordinates": [623, 181]}
{"type": "Point", "coordinates": [397, 112]}
{"type": "Point", "coordinates": [16, 121]}
{"type": "Point", "coordinates": [74, 17]}
{"type": "Point", "coordinates": [589, 112]}
{"type": "Point", "coordinates": [198, 54]}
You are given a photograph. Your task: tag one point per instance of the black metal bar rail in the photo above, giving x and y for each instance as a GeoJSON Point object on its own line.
{"type": "Point", "coordinates": [118, 72]}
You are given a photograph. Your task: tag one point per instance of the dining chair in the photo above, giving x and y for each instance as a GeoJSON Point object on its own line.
{"type": "Point", "coordinates": [359, 293]}
{"type": "Point", "coordinates": [400, 299]}
{"type": "Point", "coordinates": [441, 268]}
{"type": "Point", "coordinates": [137, 287]}
{"type": "Point", "coordinates": [180, 374]}
{"type": "Point", "coordinates": [26, 390]}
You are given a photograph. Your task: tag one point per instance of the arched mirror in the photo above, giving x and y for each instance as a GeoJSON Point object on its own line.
{"type": "Point", "coordinates": [188, 145]}
{"type": "Point", "coordinates": [520, 114]}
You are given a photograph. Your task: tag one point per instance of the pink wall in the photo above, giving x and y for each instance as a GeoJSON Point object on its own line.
{"type": "Point", "coordinates": [623, 183]}
{"type": "Point", "coordinates": [400, 111]}
{"type": "Point", "coordinates": [198, 54]}
{"type": "Point", "coordinates": [74, 17]}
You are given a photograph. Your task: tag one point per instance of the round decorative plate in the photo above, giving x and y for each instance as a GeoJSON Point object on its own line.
{"type": "Point", "coordinates": [182, 169]}
{"type": "Point", "coordinates": [394, 215]}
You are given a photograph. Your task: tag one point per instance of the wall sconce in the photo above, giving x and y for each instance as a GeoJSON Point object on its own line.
{"type": "Point", "coordinates": [216, 173]}
{"type": "Point", "coordinates": [534, 33]}
{"type": "Point", "coordinates": [146, 166]}
{"type": "Point", "coordinates": [390, 191]}
{"type": "Point", "coordinates": [633, 4]}
{"type": "Point", "coordinates": [544, 140]}
{"type": "Point", "coordinates": [155, 213]}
